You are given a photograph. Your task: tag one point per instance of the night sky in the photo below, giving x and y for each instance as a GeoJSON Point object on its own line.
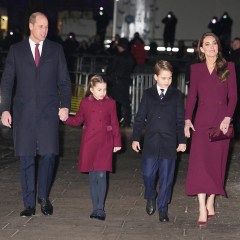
{"type": "Point", "coordinates": [80, 5]}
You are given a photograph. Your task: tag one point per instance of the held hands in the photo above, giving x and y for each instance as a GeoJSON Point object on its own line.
{"type": "Point", "coordinates": [225, 124]}
{"type": "Point", "coordinates": [136, 146]}
{"type": "Point", "coordinates": [63, 114]}
{"type": "Point", "coordinates": [188, 125]}
{"type": "Point", "coordinates": [6, 119]}
{"type": "Point", "coordinates": [115, 149]}
{"type": "Point", "coordinates": [181, 147]}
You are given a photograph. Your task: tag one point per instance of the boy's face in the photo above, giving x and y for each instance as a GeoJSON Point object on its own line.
{"type": "Point", "coordinates": [164, 78]}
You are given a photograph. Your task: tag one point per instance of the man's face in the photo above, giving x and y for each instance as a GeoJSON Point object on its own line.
{"type": "Point", "coordinates": [235, 44]}
{"type": "Point", "coordinates": [39, 29]}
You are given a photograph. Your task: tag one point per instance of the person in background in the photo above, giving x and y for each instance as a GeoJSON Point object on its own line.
{"type": "Point", "coordinates": [170, 22]}
{"type": "Point", "coordinates": [100, 138]}
{"type": "Point", "coordinates": [235, 57]}
{"type": "Point", "coordinates": [161, 114]}
{"type": "Point", "coordinates": [213, 84]}
{"type": "Point", "coordinates": [38, 69]}
{"type": "Point", "coordinates": [118, 76]}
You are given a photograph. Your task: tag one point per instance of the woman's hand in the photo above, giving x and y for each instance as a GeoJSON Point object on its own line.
{"type": "Point", "coordinates": [188, 125]}
{"type": "Point", "coordinates": [225, 124]}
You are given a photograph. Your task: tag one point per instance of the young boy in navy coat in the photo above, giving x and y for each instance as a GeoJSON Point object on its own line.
{"type": "Point", "coordinates": [161, 111]}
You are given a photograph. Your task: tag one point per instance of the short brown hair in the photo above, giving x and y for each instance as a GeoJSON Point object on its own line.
{"type": "Point", "coordinates": [33, 16]}
{"type": "Point", "coordinates": [162, 65]}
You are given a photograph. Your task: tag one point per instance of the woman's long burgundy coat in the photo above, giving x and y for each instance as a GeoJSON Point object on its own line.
{"type": "Point", "coordinates": [100, 133]}
{"type": "Point", "coordinates": [216, 100]}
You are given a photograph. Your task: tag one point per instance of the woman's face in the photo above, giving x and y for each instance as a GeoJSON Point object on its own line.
{"type": "Point", "coordinates": [209, 47]}
{"type": "Point", "coordinates": [99, 91]}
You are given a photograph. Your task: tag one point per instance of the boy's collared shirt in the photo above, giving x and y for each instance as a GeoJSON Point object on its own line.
{"type": "Point", "coordinates": [160, 91]}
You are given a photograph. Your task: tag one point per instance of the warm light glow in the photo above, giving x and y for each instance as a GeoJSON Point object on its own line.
{"type": "Point", "coordinates": [3, 22]}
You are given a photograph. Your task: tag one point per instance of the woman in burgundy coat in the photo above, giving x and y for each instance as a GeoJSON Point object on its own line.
{"type": "Point", "coordinates": [213, 84]}
{"type": "Point", "coordinates": [100, 137]}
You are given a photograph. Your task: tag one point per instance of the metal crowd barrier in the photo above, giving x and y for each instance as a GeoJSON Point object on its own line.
{"type": "Point", "coordinates": [140, 82]}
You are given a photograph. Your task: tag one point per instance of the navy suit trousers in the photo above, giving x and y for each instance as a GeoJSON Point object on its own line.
{"type": "Point", "coordinates": [45, 176]}
{"type": "Point", "coordinates": [164, 169]}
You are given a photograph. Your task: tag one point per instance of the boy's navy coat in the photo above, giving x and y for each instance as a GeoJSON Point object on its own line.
{"type": "Point", "coordinates": [164, 120]}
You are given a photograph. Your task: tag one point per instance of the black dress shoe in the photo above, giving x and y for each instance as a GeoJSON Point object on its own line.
{"type": "Point", "coordinates": [151, 206]}
{"type": "Point", "coordinates": [163, 217]}
{"type": "Point", "coordinates": [28, 212]}
{"type": "Point", "coordinates": [46, 206]}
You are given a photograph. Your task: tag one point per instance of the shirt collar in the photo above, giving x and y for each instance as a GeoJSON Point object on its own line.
{"type": "Point", "coordinates": [159, 90]}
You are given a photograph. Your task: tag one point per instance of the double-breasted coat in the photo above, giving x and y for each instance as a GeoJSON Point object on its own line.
{"type": "Point", "coordinates": [100, 133]}
{"type": "Point", "coordinates": [216, 100]}
{"type": "Point", "coordinates": [164, 120]}
{"type": "Point", "coordinates": [39, 92]}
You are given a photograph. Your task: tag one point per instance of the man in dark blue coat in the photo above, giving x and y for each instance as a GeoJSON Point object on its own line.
{"type": "Point", "coordinates": [37, 68]}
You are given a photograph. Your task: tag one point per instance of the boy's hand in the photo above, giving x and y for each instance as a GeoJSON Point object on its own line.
{"type": "Point", "coordinates": [188, 125]}
{"type": "Point", "coordinates": [136, 146]}
{"type": "Point", "coordinates": [115, 149]}
{"type": "Point", "coordinates": [181, 148]}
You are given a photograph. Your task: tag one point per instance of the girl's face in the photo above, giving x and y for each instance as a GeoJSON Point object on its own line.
{"type": "Point", "coordinates": [209, 47]}
{"type": "Point", "coordinates": [99, 91]}
{"type": "Point", "coordinates": [164, 78]}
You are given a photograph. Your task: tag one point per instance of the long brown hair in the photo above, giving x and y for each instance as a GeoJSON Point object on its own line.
{"type": "Point", "coordinates": [92, 83]}
{"type": "Point", "coordinates": [221, 63]}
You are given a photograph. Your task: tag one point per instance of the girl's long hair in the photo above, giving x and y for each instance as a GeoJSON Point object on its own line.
{"type": "Point", "coordinates": [92, 82]}
{"type": "Point", "coordinates": [221, 63]}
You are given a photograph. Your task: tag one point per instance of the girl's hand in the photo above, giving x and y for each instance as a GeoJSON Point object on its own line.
{"type": "Point", "coordinates": [115, 149]}
{"type": "Point", "coordinates": [188, 125]}
{"type": "Point", "coordinates": [136, 146]}
{"type": "Point", "coordinates": [225, 124]}
{"type": "Point", "coordinates": [181, 147]}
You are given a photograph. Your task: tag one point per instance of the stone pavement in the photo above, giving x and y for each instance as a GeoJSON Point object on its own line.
{"type": "Point", "coordinates": [125, 206]}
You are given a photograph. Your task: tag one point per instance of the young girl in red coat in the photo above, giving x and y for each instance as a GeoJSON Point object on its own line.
{"type": "Point", "coordinates": [100, 137]}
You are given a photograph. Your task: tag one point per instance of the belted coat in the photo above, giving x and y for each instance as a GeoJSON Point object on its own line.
{"type": "Point", "coordinates": [100, 133]}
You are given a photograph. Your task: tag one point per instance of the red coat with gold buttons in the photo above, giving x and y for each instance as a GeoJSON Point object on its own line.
{"type": "Point", "coordinates": [100, 133]}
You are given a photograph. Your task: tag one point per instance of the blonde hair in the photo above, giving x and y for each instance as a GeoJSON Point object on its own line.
{"type": "Point", "coordinates": [92, 83]}
{"type": "Point", "coordinates": [32, 18]}
{"type": "Point", "coordinates": [162, 65]}
{"type": "Point", "coordinates": [221, 63]}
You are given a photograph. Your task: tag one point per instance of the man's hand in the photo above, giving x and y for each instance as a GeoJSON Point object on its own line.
{"type": "Point", "coordinates": [6, 119]}
{"type": "Point", "coordinates": [63, 114]}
